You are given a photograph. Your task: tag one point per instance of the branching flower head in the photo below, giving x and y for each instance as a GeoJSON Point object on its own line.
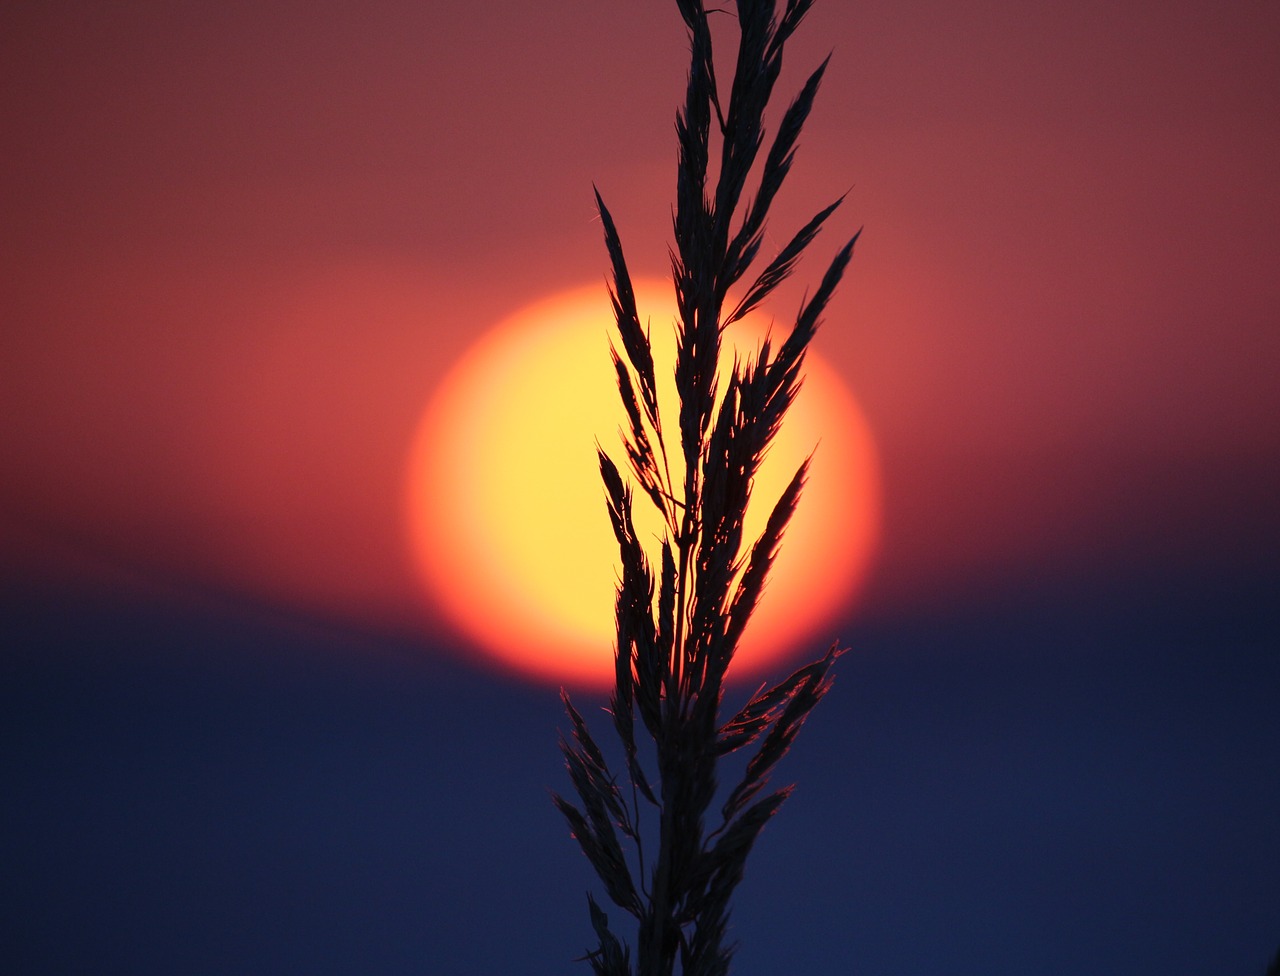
{"type": "Point", "coordinates": [682, 606]}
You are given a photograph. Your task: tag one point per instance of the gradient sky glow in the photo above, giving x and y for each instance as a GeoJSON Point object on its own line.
{"type": "Point", "coordinates": [242, 244]}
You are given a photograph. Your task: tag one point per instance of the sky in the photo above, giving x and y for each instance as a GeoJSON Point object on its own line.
{"type": "Point", "coordinates": [243, 245]}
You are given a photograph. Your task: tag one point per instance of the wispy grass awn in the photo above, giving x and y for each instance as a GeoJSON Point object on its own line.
{"type": "Point", "coordinates": [682, 609]}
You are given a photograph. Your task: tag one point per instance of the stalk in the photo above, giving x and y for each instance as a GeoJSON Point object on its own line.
{"type": "Point", "coordinates": [678, 628]}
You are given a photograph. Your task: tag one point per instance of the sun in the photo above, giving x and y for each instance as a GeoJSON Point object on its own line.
{"type": "Point", "coordinates": [506, 515]}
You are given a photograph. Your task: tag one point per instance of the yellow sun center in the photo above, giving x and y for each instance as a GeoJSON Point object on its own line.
{"type": "Point", "coordinates": [506, 511]}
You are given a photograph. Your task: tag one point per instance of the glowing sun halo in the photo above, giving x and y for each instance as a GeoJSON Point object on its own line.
{"type": "Point", "coordinates": [506, 512]}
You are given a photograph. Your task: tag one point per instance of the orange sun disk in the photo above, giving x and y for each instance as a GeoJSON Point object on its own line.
{"type": "Point", "coordinates": [506, 514]}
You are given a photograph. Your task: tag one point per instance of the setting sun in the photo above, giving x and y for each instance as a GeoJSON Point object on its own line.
{"type": "Point", "coordinates": [507, 517]}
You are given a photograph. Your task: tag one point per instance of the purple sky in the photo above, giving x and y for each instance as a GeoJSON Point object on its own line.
{"type": "Point", "coordinates": [242, 244]}
{"type": "Point", "coordinates": [245, 242]}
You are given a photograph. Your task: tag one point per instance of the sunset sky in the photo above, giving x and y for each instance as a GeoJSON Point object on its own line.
{"type": "Point", "coordinates": [243, 245]}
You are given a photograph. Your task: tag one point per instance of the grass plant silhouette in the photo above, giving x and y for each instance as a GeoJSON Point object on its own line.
{"type": "Point", "coordinates": [681, 610]}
